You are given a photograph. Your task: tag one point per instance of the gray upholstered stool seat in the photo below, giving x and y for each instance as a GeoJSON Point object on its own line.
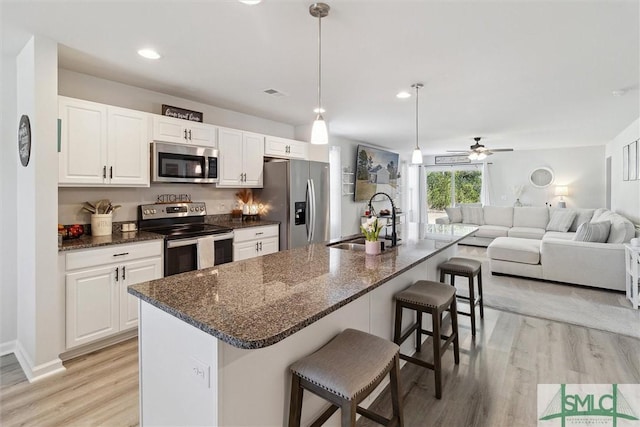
{"type": "Point", "coordinates": [469, 268]}
{"type": "Point", "coordinates": [433, 298]}
{"type": "Point", "coordinates": [344, 372]}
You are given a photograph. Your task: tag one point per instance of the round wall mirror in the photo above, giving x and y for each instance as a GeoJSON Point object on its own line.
{"type": "Point", "coordinates": [541, 177]}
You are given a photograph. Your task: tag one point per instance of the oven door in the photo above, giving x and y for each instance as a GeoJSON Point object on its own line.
{"type": "Point", "coordinates": [181, 255]}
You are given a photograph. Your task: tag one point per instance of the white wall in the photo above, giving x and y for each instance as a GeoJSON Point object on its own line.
{"type": "Point", "coordinates": [40, 300]}
{"type": "Point", "coordinates": [8, 217]}
{"type": "Point", "coordinates": [625, 195]}
{"type": "Point", "coordinates": [83, 86]}
{"type": "Point", "coordinates": [582, 169]}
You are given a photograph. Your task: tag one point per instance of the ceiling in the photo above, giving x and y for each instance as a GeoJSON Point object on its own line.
{"type": "Point", "coordinates": [520, 73]}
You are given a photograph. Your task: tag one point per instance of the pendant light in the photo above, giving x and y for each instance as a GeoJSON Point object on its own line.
{"type": "Point", "coordinates": [319, 134]}
{"type": "Point", "coordinates": [416, 158]}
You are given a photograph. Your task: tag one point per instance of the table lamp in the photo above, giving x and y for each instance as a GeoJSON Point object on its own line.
{"type": "Point", "coordinates": [562, 190]}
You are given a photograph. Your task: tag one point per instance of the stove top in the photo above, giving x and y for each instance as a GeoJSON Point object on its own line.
{"type": "Point", "coordinates": [188, 230]}
{"type": "Point", "coordinates": [177, 220]}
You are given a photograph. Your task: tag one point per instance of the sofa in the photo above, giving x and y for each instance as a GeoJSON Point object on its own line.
{"type": "Point", "coordinates": [531, 242]}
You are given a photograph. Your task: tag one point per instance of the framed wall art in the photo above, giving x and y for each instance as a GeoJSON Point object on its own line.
{"type": "Point", "coordinates": [633, 161]}
{"type": "Point", "coordinates": [625, 163]}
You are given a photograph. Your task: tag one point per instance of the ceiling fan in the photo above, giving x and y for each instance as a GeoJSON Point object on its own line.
{"type": "Point", "coordinates": [478, 151]}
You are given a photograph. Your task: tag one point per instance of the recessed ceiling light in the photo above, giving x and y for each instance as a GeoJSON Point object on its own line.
{"type": "Point", "coordinates": [250, 2]}
{"type": "Point", "coordinates": [619, 92]}
{"type": "Point", "coordinates": [403, 95]}
{"type": "Point", "coordinates": [149, 54]}
{"type": "Point", "coordinates": [319, 110]}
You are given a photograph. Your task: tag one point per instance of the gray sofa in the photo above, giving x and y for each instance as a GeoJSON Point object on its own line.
{"type": "Point", "coordinates": [519, 243]}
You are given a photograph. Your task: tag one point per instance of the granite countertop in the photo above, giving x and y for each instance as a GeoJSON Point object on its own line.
{"type": "Point", "coordinates": [257, 302]}
{"type": "Point", "coordinates": [115, 238]}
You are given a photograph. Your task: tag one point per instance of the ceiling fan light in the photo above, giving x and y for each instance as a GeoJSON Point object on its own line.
{"type": "Point", "coordinates": [482, 156]}
{"type": "Point", "coordinates": [473, 156]}
{"type": "Point", "coordinates": [319, 134]}
{"type": "Point", "coordinates": [416, 158]}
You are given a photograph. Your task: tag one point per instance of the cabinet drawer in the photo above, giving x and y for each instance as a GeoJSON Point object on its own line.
{"type": "Point", "coordinates": [245, 234]}
{"type": "Point", "coordinates": [112, 254]}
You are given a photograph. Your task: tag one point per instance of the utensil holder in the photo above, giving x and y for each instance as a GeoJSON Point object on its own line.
{"type": "Point", "coordinates": [101, 224]}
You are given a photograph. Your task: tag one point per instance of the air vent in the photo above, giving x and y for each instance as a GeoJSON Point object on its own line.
{"type": "Point", "coordinates": [273, 92]}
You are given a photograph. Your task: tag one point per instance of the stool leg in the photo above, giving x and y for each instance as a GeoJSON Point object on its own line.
{"type": "Point", "coordinates": [481, 300]}
{"type": "Point", "coordinates": [419, 332]}
{"type": "Point", "coordinates": [453, 279]}
{"type": "Point", "coordinates": [472, 305]}
{"type": "Point", "coordinates": [348, 413]}
{"type": "Point", "coordinates": [397, 330]}
{"type": "Point", "coordinates": [396, 393]}
{"type": "Point", "coordinates": [295, 405]}
{"type": "Point", "coordinates": [453, 309]}
{"type": "Point", "coordinates": [441, 276]}
{"type": "Point", "coordinates": [437, 362]}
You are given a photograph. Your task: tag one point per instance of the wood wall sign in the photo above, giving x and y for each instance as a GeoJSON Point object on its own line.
{"type": "Point", "coordinates": [181, 113]}
{"type": "Point", "coordinates": [24, 140]}
{"type": "Point", "coordinates": [452, 160]}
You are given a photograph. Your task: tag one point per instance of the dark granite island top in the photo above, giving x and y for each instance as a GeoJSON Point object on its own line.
{"type": "Point", "coordinates": [257, 302]}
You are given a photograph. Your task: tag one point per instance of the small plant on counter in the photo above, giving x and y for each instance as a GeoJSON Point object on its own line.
{"type": "Point", "coordinates": [371, 229]}
{"type": "Point", "coordinates": [101, 207]}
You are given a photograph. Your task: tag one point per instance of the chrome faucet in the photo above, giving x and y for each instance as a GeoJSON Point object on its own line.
{"type": "Point", "coordinates": [394, 236]}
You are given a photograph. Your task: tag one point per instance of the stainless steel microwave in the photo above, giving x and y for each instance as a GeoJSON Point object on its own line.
{"type": "Point", "coordinates": [183, 163]}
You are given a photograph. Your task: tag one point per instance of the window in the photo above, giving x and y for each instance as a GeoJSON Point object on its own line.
{"type": "Point", "coordinates": [451, 187]}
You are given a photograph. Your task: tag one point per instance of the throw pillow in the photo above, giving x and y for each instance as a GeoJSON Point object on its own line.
{"type": "Point", "coordinates": [596, 232]}
{"type": "Point", "coordinates": [454, 214]}
{"type": "Point", "coordinates": [472, 215]}
{"type": "Point", "coordinates": [561, 220]}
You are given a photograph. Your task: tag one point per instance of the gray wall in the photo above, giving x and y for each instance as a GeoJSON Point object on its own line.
{"type": "Point", "coordinates": [625, 195]}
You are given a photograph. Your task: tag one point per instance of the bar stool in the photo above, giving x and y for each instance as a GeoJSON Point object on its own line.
{"type": "Point", "coordinates": [434, 298]}
{"type": "Point", "coordinates": [469, 268]}
{"type": "Point", "coordinates": [344, 372]}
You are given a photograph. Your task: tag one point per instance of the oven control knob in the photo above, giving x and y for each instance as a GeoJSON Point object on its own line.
{"type": "Point", "coordinates": [146, 212]}
{"type": "Point", "coordinates": [153, 211]}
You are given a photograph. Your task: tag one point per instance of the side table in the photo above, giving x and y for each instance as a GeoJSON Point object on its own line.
{"type": "Point", "coordinates": [632, 264]}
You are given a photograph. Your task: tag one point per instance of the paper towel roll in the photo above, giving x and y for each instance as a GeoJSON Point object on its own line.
{"type": "Point", "coordinates": [635, 242]}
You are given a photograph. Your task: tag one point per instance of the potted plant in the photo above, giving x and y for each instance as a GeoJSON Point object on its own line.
{"type": "Point", "coordinates": [371, 230]}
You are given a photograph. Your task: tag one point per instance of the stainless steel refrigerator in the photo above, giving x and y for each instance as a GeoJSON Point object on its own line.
{"type": "Point", "coordinates": [296, 193]}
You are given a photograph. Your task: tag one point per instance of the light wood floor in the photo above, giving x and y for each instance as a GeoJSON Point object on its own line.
{"type": "Point", "coordinates": [494, 385]}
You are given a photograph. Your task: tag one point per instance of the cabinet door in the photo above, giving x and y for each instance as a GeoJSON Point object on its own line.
{"type": "Point", "coordinates": [245, 250]}
{"type": "Point", "coordinates": [128, 158]}
{"type": "Point", "coordinates": [83, 144]}
{"type": "Point", "coordinates": [276, 147]}
{"type": "Point", "coordinates": [269, 246]}
{"type": "Point", "coordinates": [168, 129]}
{"type": "Point", "coordinates": [298, 150]}
{"type": "Point", "coordinates": [253, 157]}
{"type": "Point", "coordinates": [92, 305]}
{"type": "Point", "coordinates": [230, 158]}
{"type": "Point", "coordinates": [131, 274]}
{"type": "Point", "coordinates": [202, 134]}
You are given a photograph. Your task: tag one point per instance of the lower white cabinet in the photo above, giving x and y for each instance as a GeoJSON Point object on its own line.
{"type": "Point", "coordinates": [97, 302]}
{"type": "Point", "coordinates": [255, 241]}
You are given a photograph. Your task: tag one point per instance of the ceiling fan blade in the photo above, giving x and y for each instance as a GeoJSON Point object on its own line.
{"type": "Point", "coordinates": [501, 149]}
{"type": "Point", "coordinates": [457, 151]}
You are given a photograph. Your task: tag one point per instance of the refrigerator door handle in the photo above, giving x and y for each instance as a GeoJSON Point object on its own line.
{"type": "Point", "coordinates": [308, 209]}
{"type": "Point", "coordinates": [313, 210]}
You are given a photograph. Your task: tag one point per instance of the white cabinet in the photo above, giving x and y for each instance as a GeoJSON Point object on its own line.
{"type": "Point", "coordinates": [169, 129]}
{"type": "Point", "coordinates": [97, 302]}
{"type": "Point", "coordinates": [255, 241]}
{"type": "Point", "coordinates": [285, 148]}
{"type": "Point", "coordinates": [240, 158]}
{"type": "Point", "coordinates": [102, 145]}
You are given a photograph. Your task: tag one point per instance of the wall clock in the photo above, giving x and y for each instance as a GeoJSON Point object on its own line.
{"type": "Point", "coordinates": [24, 140]}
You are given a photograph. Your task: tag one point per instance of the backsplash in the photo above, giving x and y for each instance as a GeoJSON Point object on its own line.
{"type": "Point", "coordinates": [70, 200]}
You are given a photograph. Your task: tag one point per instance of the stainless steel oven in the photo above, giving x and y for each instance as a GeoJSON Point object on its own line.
{"type": "Point", "coordinates": [183, 224]}
{"type": "Point", "coordinates": [181, 254]}
{"type": "Point", "coordinates": [183, 163]}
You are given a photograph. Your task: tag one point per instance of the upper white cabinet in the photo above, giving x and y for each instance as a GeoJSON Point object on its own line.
{"type": "Point", "coordinates": [169, 129]}
{"type": "Point", "coordinates": [285, 148]}
{"type": "Point", "coordinates": [240, 158]}
{"type": "Point", "coordinates": [102, 145]}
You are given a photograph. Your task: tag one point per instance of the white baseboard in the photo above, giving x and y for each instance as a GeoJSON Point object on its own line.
{"type": "Point", "coordinates": [36, 373]}
{"type": "Point", "coordinates": [7, 347]}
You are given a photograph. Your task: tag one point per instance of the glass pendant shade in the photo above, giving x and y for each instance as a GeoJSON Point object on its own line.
{"type": "Point", "coordinates": [416, 158]}
{"type": "Point", "coordinates": [319, 134]}
{"type": "Point", "coordinates": [473, 156]}
{"type": "Point", "coordinates": [482, 156]}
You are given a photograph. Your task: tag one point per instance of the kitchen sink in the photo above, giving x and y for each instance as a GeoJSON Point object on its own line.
{"type": "Point", "coordinates": [349, 246]}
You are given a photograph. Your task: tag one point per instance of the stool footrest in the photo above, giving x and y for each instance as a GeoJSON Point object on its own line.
{"type": "Point", "coordinates": [417, 361]}
{"type": "Point", "coordinates": [325, 416]}
{"type": "Point", "coordinates": [373, 416]}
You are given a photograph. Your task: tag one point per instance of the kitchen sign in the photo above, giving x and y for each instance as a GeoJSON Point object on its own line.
{"type": "Point", "coordinates": [181, 113]}
{"type": "Point", "coordinates": [452, 160]}
{"type": "Point", "coordinates": [173, 198]}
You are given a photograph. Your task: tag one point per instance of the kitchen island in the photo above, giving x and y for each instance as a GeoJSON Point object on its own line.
{"type": "Point", "coordinates": [215, 344]}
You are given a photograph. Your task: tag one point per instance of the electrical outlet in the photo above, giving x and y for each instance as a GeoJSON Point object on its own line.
{"type": "Point", "coordinates": [200, 372]}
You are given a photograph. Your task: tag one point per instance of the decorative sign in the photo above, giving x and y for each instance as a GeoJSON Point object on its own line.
{"type": "Point", "coordinates": [24, 140]}
{"type": "Point", "coordinates": [452, 160]}
{"type": "Point", "coordinates": [181, 113]}
{"type": "Point", "coordinates": [173, 198]}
